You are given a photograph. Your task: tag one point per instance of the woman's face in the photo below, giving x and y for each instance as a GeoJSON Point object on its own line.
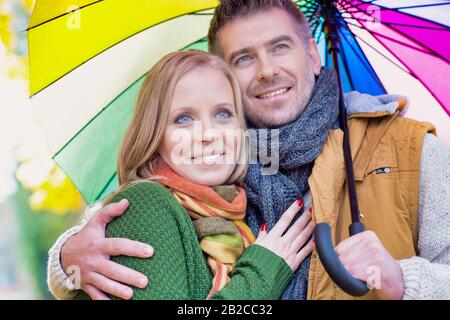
{"type": "Point", "coordinates": [203, 135]}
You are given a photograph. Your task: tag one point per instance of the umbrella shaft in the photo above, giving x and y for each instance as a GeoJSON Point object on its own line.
{"type": "Point", "coordinates": [332, 38]}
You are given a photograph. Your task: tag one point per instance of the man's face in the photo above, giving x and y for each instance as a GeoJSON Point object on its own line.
{"type": "Point", "coordinates": [274, 68]}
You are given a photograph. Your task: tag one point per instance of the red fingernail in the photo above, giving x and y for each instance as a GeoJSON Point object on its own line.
{"type": "Point", "coordinates": [300, 202]}
{"type": "Point", "coordinates": [263, 227]}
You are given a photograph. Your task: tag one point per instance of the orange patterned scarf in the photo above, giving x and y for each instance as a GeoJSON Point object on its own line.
{"type": "Point", "coordinates": [219, 223]}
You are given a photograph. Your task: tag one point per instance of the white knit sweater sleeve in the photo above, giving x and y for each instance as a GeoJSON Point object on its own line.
{"type": "Point", "coordinates": [58, 282]}
{"type": "Point", "coordinates": [428, 275]}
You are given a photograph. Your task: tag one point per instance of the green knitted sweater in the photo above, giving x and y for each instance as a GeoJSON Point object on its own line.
{"type": "Point", "coordinates": [178, 269]}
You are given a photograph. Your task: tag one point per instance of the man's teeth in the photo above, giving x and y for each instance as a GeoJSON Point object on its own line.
{"type": "Point", "coordinates": [273, 93]}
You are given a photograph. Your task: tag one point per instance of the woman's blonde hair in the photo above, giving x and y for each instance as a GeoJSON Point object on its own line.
{"type": "Point", "coordinates": [139, 149]}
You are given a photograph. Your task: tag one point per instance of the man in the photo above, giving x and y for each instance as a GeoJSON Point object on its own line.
{"type": "Point", "coordinates": [401, 174]}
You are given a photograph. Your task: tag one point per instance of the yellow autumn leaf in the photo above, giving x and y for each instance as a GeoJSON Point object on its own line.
{"type": "Point", "coordinates": [56, 194]}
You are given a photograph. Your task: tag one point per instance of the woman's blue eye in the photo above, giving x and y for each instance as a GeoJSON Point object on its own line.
{"type": "Point", "coordinates": [223, 114]}
{"type": "Point", "coordinates": [183, 119]}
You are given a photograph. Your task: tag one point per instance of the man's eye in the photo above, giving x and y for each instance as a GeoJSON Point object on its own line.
{"type": "Point", "coordinates": [183, 119]}
{"type": "Point", "coordinates": [243, 59]}
{"type": "Point", "coordinates": [223, 114]}
{"type": "Point", "coordinates": [281, 46]}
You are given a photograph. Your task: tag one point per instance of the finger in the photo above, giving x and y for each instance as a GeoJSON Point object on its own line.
{"type": "Point", "coordinates": [349, 243]}
{"type": "Point", "coordinates": [358, 270]}
{"type": "Point", "coordinates": [125, 247]}
{"type": "Point", "coordinates": [95, 294]}
{"type": "Point", "coordinates": [298, 227]}
{"type": "Point", "coordinates": [304, 252]}
{"type": "Point", "coordinates": [363, 261]}
{"type": "Point", "coordinates": [106, 214]}
{"type": "Point", "coordinates": [119, 273]}
{"type": "Point", "coordinates": [261, 235]}
{"type": "Point", "coordinates": [354, 253]}
{"type": "Point", "coordinates": [303, 237]}
{"type": "Point", "coordinates": [286, 218]}
{"type": "Point", "coordinates": [111, 287]}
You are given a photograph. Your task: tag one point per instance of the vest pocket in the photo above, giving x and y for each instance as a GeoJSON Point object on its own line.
{"type": "Point", "coordinates": [384, 161]}
{"type": "Point", "coordinates": [382, 170]}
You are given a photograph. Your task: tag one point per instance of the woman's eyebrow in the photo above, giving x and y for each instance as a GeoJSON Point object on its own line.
{"type": "Point", "coordinates": [181, 109]}
{"type": "Point", "coordinates": [192, 109]}
{"type": "Point", "coordinates": [224, 104]}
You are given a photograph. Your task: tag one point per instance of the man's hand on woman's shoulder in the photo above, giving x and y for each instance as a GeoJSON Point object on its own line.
{"type": "Point", "coordinates": [90, 251]}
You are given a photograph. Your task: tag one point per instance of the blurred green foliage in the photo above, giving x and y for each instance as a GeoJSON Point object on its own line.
{"type": "Point", "coordinates": [39, 231]}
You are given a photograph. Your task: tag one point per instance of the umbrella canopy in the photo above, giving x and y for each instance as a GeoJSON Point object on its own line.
{"type": "Point", "coordinates": [88, 60]}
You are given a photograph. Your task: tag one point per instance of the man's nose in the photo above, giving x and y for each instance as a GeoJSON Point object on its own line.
{"type": "Point", "coordinates": [267, 69]}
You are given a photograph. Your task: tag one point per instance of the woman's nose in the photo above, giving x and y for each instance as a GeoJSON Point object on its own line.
{"type": "Point", "coordinates": [208, 132]}
{"type": "Point", "coordinates": [210, 135]}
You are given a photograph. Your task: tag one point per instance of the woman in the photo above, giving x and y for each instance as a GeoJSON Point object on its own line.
{"type": "Point", "coordinates": [180, 166]}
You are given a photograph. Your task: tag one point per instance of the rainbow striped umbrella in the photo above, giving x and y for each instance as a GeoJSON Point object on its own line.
{"type": "Point", "coordinates": [88, 60]}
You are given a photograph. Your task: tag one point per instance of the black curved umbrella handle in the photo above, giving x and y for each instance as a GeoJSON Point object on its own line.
{"type": "Point", "coordinates": [331, 262]}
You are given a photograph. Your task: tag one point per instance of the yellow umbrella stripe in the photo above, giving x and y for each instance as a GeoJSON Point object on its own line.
{"type": "Point", "coordinates": [46, 10]}
{"type": "Point", "coordinates": [60, 45]}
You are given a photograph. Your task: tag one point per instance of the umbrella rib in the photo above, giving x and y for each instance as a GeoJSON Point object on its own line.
{"type": "Point", "coordinates": [199, 41]}
{"type": "Point", "coordinates": [402, 24]}
{"type": "Point", "coordinates": [377, 51]}
{"type": "Point", "coordinates": [428, 51]}
{"type": "Point", "coordinates": [106, 186]}
{"type": "Point", "coordinates": [349, 5]}
{"type": "Point", "coordinates": [382, 8]}
{"type": "Point", "coordinates": [366, 63]}
{"type": "Point", "coordinates": [416, 6]}
{"type": "Point", "coordinates": [387, 37]}
{"type": "Point", "coordinates": [93, 118]}
{"type": "Point", "coordinates": [64, 14]}
{"type": "Point", "coordinates": [344, 61]}
{"type": "Point", "coordinates": [431, 51]}
{"type": "Point", "coordinates": [106, 49]}
{"type": "Point", "coordinates": [411, 72]}
{"type": "Point", "coordinates": [361, 4]}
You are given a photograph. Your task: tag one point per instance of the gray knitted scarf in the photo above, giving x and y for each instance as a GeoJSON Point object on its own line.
{"type": "Point", "coordinates": [300, 143]}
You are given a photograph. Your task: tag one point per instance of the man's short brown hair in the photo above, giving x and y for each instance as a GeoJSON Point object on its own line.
{"type": "Point", "coordinates": [229, 10]}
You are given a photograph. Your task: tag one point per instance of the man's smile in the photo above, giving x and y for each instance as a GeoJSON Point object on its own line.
{"type": "Point", "coordinates": [272, 93]}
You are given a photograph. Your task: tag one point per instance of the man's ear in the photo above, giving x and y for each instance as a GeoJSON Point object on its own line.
{"type": "Point", "coordinates": [315, 56]}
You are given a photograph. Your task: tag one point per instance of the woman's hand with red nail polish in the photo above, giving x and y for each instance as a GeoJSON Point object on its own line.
{"type": "Point", "coordinates": [292, 243]}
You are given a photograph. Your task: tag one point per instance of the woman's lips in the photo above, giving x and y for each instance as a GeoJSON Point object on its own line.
{"type": "Point", "coordinates": [208, 159]}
